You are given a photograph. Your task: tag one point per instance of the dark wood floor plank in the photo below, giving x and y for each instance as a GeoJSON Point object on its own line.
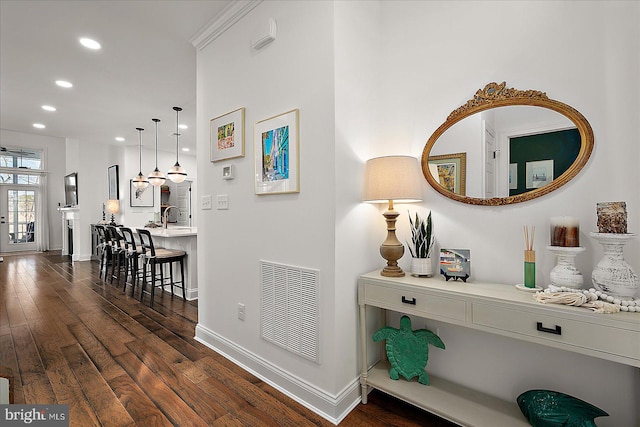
{"type": "Point", "coordinates": [112, 335]}
{"type": "Point", "coordinates": [142, 409]}
{"type": "Point", "coordinates": [282, 414]}
{"type": "Point", "coordinates": [68, 392]}
{"type": "Point", "coordinates": [96, 389]}
{"type": "Point", "coordinates": [8, 359]}
{"type": "Point", "coordinates": [35, 384]}
{"type": "Point", "coordinates": [98, 353]}
{"type": "Point", "coordinates": [208, 409]}
{"type": "Point", "coordinates": [165, 399]}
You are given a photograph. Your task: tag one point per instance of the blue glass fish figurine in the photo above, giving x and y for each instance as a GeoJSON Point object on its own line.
{"type": "Point", "coordinates": [545, 408]}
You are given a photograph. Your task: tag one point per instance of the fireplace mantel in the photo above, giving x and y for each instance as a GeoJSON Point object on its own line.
{"type": "Point", "coordinates": [71, 220]}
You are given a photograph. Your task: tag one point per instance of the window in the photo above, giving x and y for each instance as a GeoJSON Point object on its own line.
{"type": "Point", "coordinates": [22, 160]}
{"type": "Point", "coordinates": [21, 207]}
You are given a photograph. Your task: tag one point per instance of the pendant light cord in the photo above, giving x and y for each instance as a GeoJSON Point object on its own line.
{"type": "Point", "coordinates": [140, 148]}
{"type": "Point", "coordinates": [177, 110]}
{"type": "Point", "coordinates": [156, 122]}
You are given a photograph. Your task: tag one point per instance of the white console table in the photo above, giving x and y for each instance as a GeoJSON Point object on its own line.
{"type": "Point", "coordinates": [493, 308]}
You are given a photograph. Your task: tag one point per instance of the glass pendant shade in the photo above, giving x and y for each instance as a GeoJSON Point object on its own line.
{"type": "Point", "coordinates": [156, 178]}
{"type": "Point", "coordinates": [140, 182]}
{"type": "Point", "coordinates": [177, 173]}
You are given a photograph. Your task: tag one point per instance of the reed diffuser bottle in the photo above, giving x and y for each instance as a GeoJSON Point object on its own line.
{"type": "Point", "coordinates": [529, 258]}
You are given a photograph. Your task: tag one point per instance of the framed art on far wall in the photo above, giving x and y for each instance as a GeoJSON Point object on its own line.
{"type": "Point", "coordinates": [227, 136]}
{"type": "Point", "coordinates": [114, 192]}
{"type": "Point", "coordinates": [276, 154]}
{"type": "Point", "coordinates": [450, 170]}
{"type": "Point", "coordinates": [140, 197]}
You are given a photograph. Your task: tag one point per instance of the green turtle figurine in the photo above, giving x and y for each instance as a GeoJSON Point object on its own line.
{"type": "Point", "coordinates": [408, 350]}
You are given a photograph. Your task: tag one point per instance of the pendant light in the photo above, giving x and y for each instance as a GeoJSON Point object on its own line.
{"type": "Point", "coordinates": [140, 181]}
{"type": "Point", "coordinates": [156, 178]}
{"type": "Point", "coordinates": [177, 173]}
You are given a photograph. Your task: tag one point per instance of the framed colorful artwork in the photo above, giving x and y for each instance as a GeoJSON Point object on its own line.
{"type": "Point", "coordinates": [276, 154]}
{"type": "Point", "coordinates": [227, 136]}
{"type": "Point", "coordinates": [450, 170]}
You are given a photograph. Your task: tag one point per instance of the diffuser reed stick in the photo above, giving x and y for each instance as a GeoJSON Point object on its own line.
{"type": "Point", "coordinates": [529, 257]}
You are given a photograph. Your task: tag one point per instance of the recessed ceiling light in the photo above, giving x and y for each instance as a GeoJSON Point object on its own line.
{"type": "Point", "coordinates": [48, 108]}
{"type": "Point", "coordinates": [185, 149]}
{"type": "Point", "coordinates": [63, 83]}
{"type": "Point", "coordinates": [90, 43]}
{"type": "Point", "coordinates": [183, 126]}
{"type": "Point", "coordinates": [39, 126]}
{"type": "Point", "coordinates": [119, 138]}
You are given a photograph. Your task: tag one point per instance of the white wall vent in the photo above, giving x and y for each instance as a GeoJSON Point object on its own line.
{"type": "Point", "coordinates": [290, 309]}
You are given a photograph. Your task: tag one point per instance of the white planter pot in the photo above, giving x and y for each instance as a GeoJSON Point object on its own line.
{"type": "Point", "coordinates": [422, 267]}
{"type": "Point", "coordinates": [613, 274]}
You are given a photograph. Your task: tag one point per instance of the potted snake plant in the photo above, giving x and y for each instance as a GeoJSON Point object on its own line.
{"type": "Point", "coordinates": [422, 242]}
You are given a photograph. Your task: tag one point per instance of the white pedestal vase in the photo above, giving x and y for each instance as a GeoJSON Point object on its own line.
{"type": "Point", "coordinates": [565, 272]}
{"type": "Point", "coordinates": [422, 267]}
{"type": "Point", "coordinates": [613, 275]}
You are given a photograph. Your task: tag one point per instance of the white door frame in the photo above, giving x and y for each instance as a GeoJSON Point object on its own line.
{"type": "Point", "coordinates": [5, 244]}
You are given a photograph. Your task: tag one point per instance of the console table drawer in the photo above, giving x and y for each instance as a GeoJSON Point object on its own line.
{"type": "Point", "coordinates": [589, 336]}
{"type": "Point", "coordinates": [415, 302]}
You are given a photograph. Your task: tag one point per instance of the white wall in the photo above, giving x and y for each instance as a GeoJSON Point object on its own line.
{"type": "Point", "coordinates": [54, 152]}
{"type": "Point", "coordinates": [377, 78]}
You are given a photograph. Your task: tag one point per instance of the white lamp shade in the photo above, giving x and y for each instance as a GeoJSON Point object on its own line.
{"type": "Point", "coordinates": [156, 178]}
{"type": "Point", "coordinates": [177, 173]}
{"type": "Point", "coordinates": [112, 206]}
{"type": "Point", "coordinates": [396, 178]}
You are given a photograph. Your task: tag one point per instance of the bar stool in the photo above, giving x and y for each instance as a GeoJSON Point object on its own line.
{"type": "Point", "coordinates": [132, 253]}
{"type": "Point", "coordinates": [116, 242]}
{"type": "Point", "coordinates": [157, 258]}
{"type": "Point", "coordinates": [103, 249]}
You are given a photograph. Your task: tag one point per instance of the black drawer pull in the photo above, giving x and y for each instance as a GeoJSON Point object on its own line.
{"type": "Point", "coordinates": [411, 301]}
{"type": "Point", "coordinates": [556, 331]}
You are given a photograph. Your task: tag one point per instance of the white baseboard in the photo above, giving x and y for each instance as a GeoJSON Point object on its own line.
{"type": "Point", "coordinates": [331, 407]}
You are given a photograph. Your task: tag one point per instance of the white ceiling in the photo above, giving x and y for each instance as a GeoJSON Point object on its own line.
{"type": "Point", "coordinates": [146, 66]}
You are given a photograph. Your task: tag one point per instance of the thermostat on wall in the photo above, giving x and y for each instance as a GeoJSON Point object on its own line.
{"type": "Point", "coordinates": [227, 172]}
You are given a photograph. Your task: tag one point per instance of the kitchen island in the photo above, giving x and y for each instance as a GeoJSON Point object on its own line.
{"type": "Point", "coordinates": [183, 238]}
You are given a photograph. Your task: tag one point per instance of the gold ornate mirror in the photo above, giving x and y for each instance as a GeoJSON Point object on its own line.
{"type": "Point", "coordinates": [506, 146]}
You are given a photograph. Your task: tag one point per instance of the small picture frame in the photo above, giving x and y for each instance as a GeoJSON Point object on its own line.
{"type": "Point", "coordinates": [227, 136]}
{"type": "Point", "coordinates": [455, 264]}
{"type": "Point", "coordinates": [539, 173]}
{"type": "Point", "coordinates": [276, 154]}
{"type": "Point", "coordinates": [112, 178]}
{"type": "Point", "coordinates": [140, 197]}
{"type": "Point", "coordinates": [450, 170]}
{"type": "Point", "coordinates": [513, 176]}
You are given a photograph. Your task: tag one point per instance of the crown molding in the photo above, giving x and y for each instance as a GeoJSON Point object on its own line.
{"type": "Point", "coordinates": [222, 22]}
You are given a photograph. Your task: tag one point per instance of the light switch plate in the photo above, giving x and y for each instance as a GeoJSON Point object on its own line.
{"type": "Point", "coordinates": [222, 201]}
{"type": "Point", "coordinates": [205, 202]}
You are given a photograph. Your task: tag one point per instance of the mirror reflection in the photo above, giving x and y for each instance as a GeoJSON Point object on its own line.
{"type": "Point", "coordinates": [506, 146]}
{"type": "Point", "coordinates": [506, 151]}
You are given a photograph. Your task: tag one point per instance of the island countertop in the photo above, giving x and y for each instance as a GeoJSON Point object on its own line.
{"type": "Point", "coordinates": [176, 231]}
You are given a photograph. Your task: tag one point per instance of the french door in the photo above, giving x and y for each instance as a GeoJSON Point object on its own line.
{"type": "Point", "coordinates": [17, 218]}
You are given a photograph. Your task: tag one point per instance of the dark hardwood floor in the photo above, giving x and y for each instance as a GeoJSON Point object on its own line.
{"type": "Point", "coordinates": [71, 338]}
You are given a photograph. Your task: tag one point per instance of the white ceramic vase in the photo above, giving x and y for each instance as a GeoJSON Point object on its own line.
{"type": "Point", "coordinates": [613, 275]}
{"type": "Point", "coordinates": [422, 267]}
{"type": "Point", "coordinates": [565, 272]}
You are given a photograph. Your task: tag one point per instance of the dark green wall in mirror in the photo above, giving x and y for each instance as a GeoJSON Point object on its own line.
{"type": "Point", "coordinates": [562, 147]}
